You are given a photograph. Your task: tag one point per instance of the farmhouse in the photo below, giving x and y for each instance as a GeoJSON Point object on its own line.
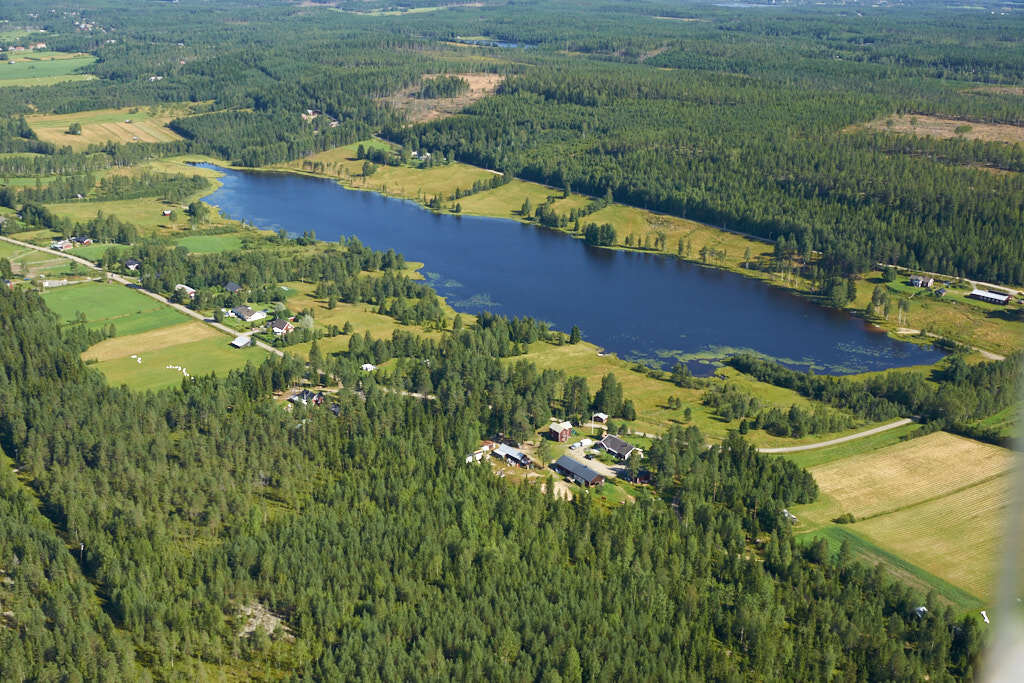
{"type": "Point", "coordinates": [81, 241]}
{"type": "Point", "coordinates": [132, 264]}
{"type": "Point", "coordinates": [921, 281]}
{"type": "Point", "coordinates": [305, 397]}
{"type": "Point", "coordinates": [247, 314]}
{"type": "Point", "coordinates": [61, 245]}
{"type": "Point", "coordinates": [617, 447]}
{"type": "Point", "coordinates": [990, 297]}
{"type": "Point", "coordinates": [241, 342]}
{"type": "Point", "coordinates": [578, 472]}
{"type": "Point", "coordinates": [512, 456]}
{"type": "Point", "coordinates": [560, 431]}
{"type": "Point", "coordinates": [233, 287]}
{"type": "Point", "coordinates": [185, 288]}
{"type": "Point", "coordinates": [281, 326]}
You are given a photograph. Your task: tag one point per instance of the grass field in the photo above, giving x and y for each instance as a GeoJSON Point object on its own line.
{"type": "Point", "coordinates": [209, 244]}
{"type": "Point", "coordinates": [201, 357]}
{"type": "Point", "coordinates": [103, 304]}
{"type": "Point", "coordinates": [134, 124]}
{"type": "Point", "coordinates": [145, 213]}
{"type": "Point", "coordinates": [94, 252]}
{"type": "Point", "coordinates": [31, 72]}
{"type": "Point", "coordinates": [935, 503]}
{"type": "Point", "coordinates": [821, 456]}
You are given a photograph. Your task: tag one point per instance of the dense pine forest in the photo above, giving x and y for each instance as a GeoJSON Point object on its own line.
{"type": "Point", "coordinates": [386, 558]}
{"type": "Point", "coordinates": [212, 530]}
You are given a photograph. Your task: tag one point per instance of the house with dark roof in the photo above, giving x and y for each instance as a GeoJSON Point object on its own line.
{"type": "Point", "coordinates": [617, 447]}
{"type": "Point", "coordinates": [233, 287]}
{"type": "Point", "coordinates": [307, 397]}
{"type": "Point", "coordinates": [281, 326]}
{"type": "Point", "coordinates": [578, 471]}
{"type": "Point", "coordinates": [512, 456]}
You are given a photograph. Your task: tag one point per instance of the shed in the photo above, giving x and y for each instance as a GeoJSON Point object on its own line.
{"type": "Point", "coordinates": [188, 290]}
{"type": "Point", "coordinates": [579, 472]}
{"type": "Point", "coordinates": [241, 341]}
{"type": "Point", "coordinates": [368, 367]}
{"type": "Point", "coordinates": [560, 431]}
{"type": "Point", "coordinates": [617, 447]}
{"type": "Point", "coordinates": [990, 297]}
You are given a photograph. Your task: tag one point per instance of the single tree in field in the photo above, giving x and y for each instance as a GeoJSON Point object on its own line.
{"type": "Point", "coordinates": [75, 128]}
{"type": "Point", "coordinates": [575, 335]}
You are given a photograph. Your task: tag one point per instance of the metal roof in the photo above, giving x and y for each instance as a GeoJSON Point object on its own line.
{"type": "Point", "coordinates": [577, 469]}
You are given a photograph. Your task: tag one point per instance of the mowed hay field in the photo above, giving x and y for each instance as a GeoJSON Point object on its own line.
{"type": "Point", "coordinates": [936, 502]}
{"type": "Point", "coordinates": [129, 311]}
{"type": "Point", "coordinates": [909, 473]}
{"type": "Point", "coordinates": [201, 356]}
{"type": "Point", "coordinates": [147, 124]}
{"type": "Point", "coordinates": [957, 537]}
{"type": "Point", "coordinates": [154, 340]}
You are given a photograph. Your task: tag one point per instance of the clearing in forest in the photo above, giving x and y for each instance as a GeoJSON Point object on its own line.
{"type": "Point", "coordinates": [921, 126]}
{"type": "Point", "coordinates": [419, 110]}
{"type": "Point", "coordinates": [130, 124]}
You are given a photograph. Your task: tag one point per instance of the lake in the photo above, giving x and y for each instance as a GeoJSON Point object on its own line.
{"type": "Point", "coordinates": [640, 306]}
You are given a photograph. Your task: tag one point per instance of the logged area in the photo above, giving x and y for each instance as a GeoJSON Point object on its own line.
{"type": "Point", "coordinates": [932, 126]}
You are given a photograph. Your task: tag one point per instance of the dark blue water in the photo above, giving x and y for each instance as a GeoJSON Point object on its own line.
{"type": "Point", "coordinates": [641, 306]}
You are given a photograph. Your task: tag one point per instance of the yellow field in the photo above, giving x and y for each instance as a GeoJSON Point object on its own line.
{"type": "Point", "coordinates": [933, 126]}
{"type": "Point", "coordinates": [135, 124]}
{"type": "Point", "coordinates": [957, 537]}
{"type": "Point", "coordinates": [121, 347]}
{"type": "Point", "coordinates": [931, 509]}
{"type": "Point", "coordinates": [909, 473]}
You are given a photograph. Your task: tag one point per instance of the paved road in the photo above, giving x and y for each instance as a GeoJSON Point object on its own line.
{"type": "Point", "coordinates": [128, 283]}
{"type": "Point", "coordinates": [842, 439]}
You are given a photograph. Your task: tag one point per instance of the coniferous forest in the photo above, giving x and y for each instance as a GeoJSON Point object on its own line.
{"type": "Point", "coordinates": [143, 534]}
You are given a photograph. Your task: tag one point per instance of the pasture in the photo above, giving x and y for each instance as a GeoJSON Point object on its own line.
{"type": "Point", "coordinates": [30, 262]}
{"type": "Point", "coordinates": [197, 357]}
{"type": "Point", "coordinates": [145, 213]}
{"type": "Point", "coordinates": [129, 124]}
{"type": "Point", "coordinates": [102, 304]}
{"type": "Point", "coordinates": [27, 71]}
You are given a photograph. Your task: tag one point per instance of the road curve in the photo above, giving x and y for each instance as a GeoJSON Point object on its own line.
{"type": "Point", "coordinates": [842, 439]}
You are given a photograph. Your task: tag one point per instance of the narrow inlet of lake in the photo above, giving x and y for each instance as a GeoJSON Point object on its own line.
{"type": "Point", "coordinates": [640, 306]}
